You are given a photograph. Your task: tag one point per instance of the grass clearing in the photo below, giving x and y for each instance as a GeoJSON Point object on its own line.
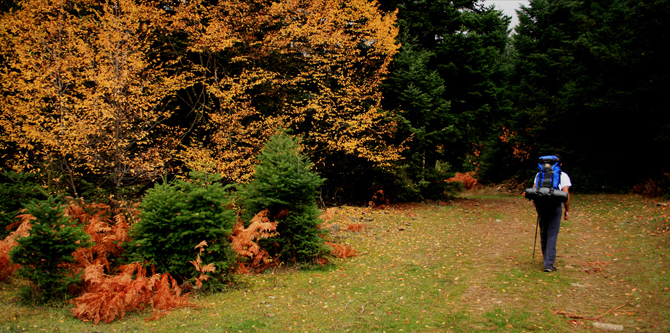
{"type": "Point", "coordinates": [461, 267]}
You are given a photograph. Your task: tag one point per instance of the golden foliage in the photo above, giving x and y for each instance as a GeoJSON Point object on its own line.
{"type": "Point", "coordinates": [244, 242]}
{"type": "Point", "coordinates": [85, 89]}
{"type": "Point", "coordinates": [88, 86]}
{"type": "Point", "coordinates": [313, 66]}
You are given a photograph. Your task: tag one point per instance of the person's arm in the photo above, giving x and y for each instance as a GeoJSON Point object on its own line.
{"type": "Point", "coordinates": [567, 203]}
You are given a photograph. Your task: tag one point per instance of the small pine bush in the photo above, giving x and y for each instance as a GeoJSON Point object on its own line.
{"type": "Point", "coordinates": [177, 216]}
{"type": "Point", "coordinates": [285, 185]}
{"type": "Point", "coordinates": [15, 190]}
{"type": "Point", "coordinates": [45, 254]}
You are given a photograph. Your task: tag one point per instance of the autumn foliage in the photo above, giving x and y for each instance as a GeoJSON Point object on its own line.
{"type": "Point", "coordinates": [7, 267]}
{"type": "Point", "coordinates": [108, 228]}
{"type": "Point", "coordinates": [244, 242]}
{"type": "Point", "coordinates": [110, 297]}
{"type": "Point", "coordinates": [342, 250]}
{"type": "Point", "coordinates": [118, 93]}
{"type": "Point", "coordinates": [104, 296]}
{"type": "Point", "coordinates": [467, 179]}
{"type": "Point", "coordinates": [124, 92]}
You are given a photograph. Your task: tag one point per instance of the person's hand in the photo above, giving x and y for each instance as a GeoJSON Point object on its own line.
{"type": "Point", "coordinates": [567, 215]}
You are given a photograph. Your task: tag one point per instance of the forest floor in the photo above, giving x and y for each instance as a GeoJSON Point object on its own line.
{"type": "Point", "coordinates": [461, 266]}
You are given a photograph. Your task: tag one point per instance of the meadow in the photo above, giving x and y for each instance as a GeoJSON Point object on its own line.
{"type": "Point", "coordinates": [460, 266]}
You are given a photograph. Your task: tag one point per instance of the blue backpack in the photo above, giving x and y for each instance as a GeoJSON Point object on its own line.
{"type": "Point", "coordinates": [549, 174]}
{"type": "Point", "coordinates": [546, 182]}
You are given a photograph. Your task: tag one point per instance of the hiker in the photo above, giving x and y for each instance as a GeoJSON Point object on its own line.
{"type": "Point", "coordinates": [549, 208]}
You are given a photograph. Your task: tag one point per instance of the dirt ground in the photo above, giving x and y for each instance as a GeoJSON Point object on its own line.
{"type": "Point", "coordinates": [612, 260]}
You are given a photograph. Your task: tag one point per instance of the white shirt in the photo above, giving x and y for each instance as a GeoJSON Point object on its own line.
{"type": "Point", "coordinates": [563, 182]}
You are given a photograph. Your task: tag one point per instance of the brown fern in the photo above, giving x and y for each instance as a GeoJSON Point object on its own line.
{"type": "Point", "coordinates": [203, 270]}
{"type": "Point", "coordinates": [467, 179]}
{"type": "Point", "coordinates": [107, 233]}
{"type": "Point", "coordinates": [7, 268]}
{"type": "Point", "coordinates": [341, 250]}
{"type": "Point", "coordinates": [356, 227]}
{"type": "Point", "coordinates": [244, 242]}
{"type": "Point", "coordinates": [328, 215]}
{"type": "Point", "coordinates": [110, 297]}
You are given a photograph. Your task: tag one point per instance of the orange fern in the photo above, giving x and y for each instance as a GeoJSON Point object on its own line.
{"type": "Point", "coordinates": [7, 268]}
{"type": "Point", "coordinates": [355, 227]}
{"type": "Point", "coordinates": [328, 215]}
{"type": "Point", "coordinates": [244, 242]}
{"type": "Point", "coordinates": [107, 232]}
{"type": "Point", "coordinates": [467, 178]}
{"type": "Point", "coordinates": [341, 250]}
{"type": "Point", "coordinates": [209, 268]}
{"type": "Point", "coordinates": [110, 297]}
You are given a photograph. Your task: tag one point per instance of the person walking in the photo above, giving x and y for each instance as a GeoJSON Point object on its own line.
{"type": "Point", "coordinates": [549, 211]}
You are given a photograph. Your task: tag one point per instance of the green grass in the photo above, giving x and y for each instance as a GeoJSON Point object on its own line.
{"type": "Point", "coordinates": [463, 267]}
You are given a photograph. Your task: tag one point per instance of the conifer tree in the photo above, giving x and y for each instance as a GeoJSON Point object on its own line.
{"type": "Point", "coordinates": [177, 216]}
{"type": "Point", "coordinates": [284, 183]}
{"type": "Point", "coordinates": [44, 254]}
{"type": "Point", "coordinates": [465, 40]}
{"type": "Point", "coordinates": [589, 82]}
{"type": "Point", "coordinates": [418, 95]}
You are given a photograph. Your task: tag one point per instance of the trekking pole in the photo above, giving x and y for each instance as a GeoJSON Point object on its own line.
{"type": "Point", "coordinates": [536, 226]}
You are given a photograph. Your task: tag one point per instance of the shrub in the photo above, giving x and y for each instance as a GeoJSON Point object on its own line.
{"type": "Point", "coordinates": [429, 185]}
{"type": "Point", "coordinates": [654, 187]}
{"type": "Point", "coordinates": [45, 253]}
{"type": "Point", "coordinates": [467, 179]}
{"type": "Point", "coordinates": [285, 185]}
{"type": "Point", "coordinates": [177, 216]}
{"type": "Point", "coordinates": [15, 190]}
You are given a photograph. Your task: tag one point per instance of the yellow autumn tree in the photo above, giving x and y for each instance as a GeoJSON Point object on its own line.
{"type": "Point", "coordinates": [86, 90]}
{"type": "Point", "coordinates": [116, 90]}
{"type": "Point", "coordinates": [313, 66]}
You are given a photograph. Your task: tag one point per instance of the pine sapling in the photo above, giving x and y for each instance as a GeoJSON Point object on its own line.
{"type": "Point", "coordinates": [45, 253]}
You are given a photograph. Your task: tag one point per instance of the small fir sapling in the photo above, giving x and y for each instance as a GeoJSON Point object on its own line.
{"type": "Point", "coordinates": [284, 184]}
{"type": "Point", "coordinates": [177, 216]}
{"type": "Point", "coordinates": [45, 253]}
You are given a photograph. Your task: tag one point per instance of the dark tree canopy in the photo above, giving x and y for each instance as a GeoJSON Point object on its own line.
{"type": "Point", "coordinates": [587, 82]}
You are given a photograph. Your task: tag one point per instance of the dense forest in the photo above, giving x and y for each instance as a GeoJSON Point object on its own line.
{"type": "Point", "coordinates": [387, 97]}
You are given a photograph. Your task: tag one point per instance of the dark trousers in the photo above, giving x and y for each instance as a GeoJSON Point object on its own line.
{"type": "Point", "coordinates": [550, 223]}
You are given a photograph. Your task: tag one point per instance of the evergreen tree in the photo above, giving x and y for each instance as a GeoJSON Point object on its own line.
{"type": "Point", "coordinates": [15, 190]}
{"type": "Point", "coordinates": [285, 185]}
{"type": "Point", "coordinates": [446, 84]}
{"type": "Point", "coordinates": [177, 216]}
{"type": "Point", "coordinates": [588, 81]}
{"type": "Point", "coordinates": [45, 253]}
{"type": "Point", "coordinates": [466, 42]}
{"type": "Point", "coordinates": [418, 95]}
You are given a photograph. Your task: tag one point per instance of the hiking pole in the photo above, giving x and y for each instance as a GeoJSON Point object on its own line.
{"type": "Point", "coordinates": [536, 226]}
